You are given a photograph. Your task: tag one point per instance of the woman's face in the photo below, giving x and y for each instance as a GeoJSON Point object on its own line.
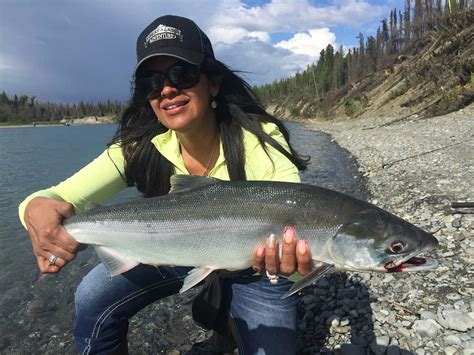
{"type": "Point", "coordinates": [182, 110]}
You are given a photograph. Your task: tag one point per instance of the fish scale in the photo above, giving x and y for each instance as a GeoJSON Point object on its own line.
{"type": "Point", "coordinates": [212, 224]}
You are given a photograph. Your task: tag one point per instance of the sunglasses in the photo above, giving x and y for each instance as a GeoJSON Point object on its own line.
{"type": "Point", "coordinates": [180, 75]}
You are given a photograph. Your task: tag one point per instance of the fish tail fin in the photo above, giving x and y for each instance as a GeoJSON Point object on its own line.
{"type": "Point", "coordinates": [40, 278]}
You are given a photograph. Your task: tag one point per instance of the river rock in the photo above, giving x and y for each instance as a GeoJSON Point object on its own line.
{"type": "Point", "coordinates": [403, 331]}
{"type": "Point", "coordinates": [455, 320]}
{"type": "Point", "coordinates": [456, 223]}
{"type": "Point", "coordinates": [452, 340]}
{"type": "Point", "coordinates": [450, 350]}
{"type": "Point", "coordinates": [352, 349]}
{"type": "Point", "coordinates": [427, 315]}
{"type": "Point", "coordinates": [393, 350]}
{"type": "Point", "coordinates": [426, 328]}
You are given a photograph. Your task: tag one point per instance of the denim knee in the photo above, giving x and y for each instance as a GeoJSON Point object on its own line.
{"type": "Point", "coordinates": [266, 324]}
{"type": "Point", "coordinates": [94, 315]}
{"type": "Point", "coordinates": [104, 304]}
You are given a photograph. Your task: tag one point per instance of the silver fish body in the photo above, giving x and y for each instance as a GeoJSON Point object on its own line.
{"type": "Point", "coordinates": [211, 224]}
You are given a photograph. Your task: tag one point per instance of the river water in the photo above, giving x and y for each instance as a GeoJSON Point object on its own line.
{"type": "Point", "coordinates": [40, 319]}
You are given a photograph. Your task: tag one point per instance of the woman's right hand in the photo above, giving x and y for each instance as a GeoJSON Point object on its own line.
{"type": "Point", "coordinates": [43, 218]}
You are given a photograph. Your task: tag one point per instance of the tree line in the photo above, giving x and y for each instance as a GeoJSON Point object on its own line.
{"type": "Point", "coordinates": [402, 32]}
{"type": "Point", "coordinates": [24, 109]}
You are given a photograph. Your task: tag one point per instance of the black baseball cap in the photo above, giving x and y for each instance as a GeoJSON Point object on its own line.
{"type": "Point", "coordinates": [174, 36]}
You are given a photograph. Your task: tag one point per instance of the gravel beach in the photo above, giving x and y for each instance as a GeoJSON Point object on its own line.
{"type": "Point", "coordinates": [413, 167]}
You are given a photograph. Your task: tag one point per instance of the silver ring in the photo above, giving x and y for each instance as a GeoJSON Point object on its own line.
{"type": "Point", "coordinates": [52, 259]}
{"type": "Point", "coordinates": [273, 278]}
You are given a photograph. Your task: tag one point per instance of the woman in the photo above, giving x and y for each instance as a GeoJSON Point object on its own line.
{"type": "Point", "coordinates": [189, 114]}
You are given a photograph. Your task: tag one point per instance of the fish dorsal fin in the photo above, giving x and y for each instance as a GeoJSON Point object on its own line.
{"type": "Point", "coordinates": [181, 182]}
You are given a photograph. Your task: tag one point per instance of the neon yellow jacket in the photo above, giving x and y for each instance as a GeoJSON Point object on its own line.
{"type": "Point", "coordinates": [102, 178]}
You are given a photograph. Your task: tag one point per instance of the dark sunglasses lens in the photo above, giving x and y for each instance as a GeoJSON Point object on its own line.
{"type": "Point", "coordinates": [151, 83]}
{"type": "Point", "coordinates": [183, 76]}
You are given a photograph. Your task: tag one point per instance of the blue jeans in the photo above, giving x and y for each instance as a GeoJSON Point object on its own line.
{"type": "Point", "coordinates": [265, 323]}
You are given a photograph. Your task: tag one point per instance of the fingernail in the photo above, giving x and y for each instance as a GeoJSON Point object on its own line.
{"type": "Point", "coordinates": [289, 237]}
{"type": "Point", "coordinates": [271, 240]}
{"type": "Point", "coordinates": [301, 246]}
{"type": "Point", "coordinates": [260, 250]}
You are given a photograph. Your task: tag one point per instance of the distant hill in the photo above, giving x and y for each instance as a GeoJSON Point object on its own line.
{"type": "Point", "coordinates": [423, 68]}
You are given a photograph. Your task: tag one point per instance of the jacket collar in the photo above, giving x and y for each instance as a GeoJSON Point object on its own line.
{"type": "Point", "coordinates": [167, 144]}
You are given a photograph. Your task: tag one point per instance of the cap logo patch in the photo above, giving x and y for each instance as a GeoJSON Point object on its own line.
{"type": "Point", "coordinates": [163, 32]}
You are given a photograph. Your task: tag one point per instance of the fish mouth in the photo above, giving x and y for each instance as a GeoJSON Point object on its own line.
{"type": "Point", "coordinates": [410, 263]}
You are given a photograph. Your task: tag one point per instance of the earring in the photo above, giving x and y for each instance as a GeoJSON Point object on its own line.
{"type": "Point", "coordinates": [214, 104]}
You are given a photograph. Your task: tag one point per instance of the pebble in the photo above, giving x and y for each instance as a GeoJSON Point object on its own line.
{"type": "Point", "coordinates": [404, 332]}
{"type": "Point", "coordinates": [426, 328]}
{"type": "Point", "coordinates": [427, 315]}
{"type": "Point", "coordinates": [453, 296]}
{"type": "Point", "coordinates": [450, 350]}
{"type": "Point", "coordinates": [344, 322]}
{"type": "Point", "coordinates": [429, 300]}
{"type": "Point", "coordinates": [352, 349]}
{"type": "Point", "coordinates": [353, 313]}
{"type": "Point", "coordinates": [456, 223]}
{"type": "Point", "coordinates": [455, 320]}
{"type": "Point", "coordinates": [426, 312]}
{"type": "Point", "coordinates": [452, 340]}
{"type": "Point", "coordinates": [393, 350]}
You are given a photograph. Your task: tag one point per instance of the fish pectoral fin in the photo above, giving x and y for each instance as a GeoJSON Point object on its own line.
{"type": "Point", "coordinates": [318, 272]}
{"type": "Point", "coordinates": [195, 276]}
{"type": "Point", "coordinates": [114, 263]}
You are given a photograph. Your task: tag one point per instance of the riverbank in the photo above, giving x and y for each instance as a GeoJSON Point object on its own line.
{"type": "Point", "coordinates": [414, 168]}
{"type": "Point", "coordinates": [90, 120]}
{"type": "Point", "coordinates": [30, 125]}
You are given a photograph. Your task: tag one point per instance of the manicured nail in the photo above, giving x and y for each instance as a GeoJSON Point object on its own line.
{"type": "Point", "coordinates": [260, 250]}
{"type": "Point", "coordinates": [271, 240]}
{"type": "Point", "coordinates": [302, 246]}
{"type": "Point", "coordinates": [289, 237]}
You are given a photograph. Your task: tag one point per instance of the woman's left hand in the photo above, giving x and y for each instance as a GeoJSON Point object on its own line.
{"type": "Point", "coordinates": [295, 256]}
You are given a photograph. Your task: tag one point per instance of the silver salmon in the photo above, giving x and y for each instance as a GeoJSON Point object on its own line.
{"type": "Point", "coordinates": [211, 224]}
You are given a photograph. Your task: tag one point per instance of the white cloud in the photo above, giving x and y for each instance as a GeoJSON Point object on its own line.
{"type": "Point", "coordinates": [261, 62]}
{"type": "Point", "coordinates": [297, 15]}
{"type": "Point", "coordinates": [235, 34]}
{"type": "Point", "coordinates": [310, 43]}
{"type": "Point", "coordinates": [260, 35]}
{"type": "Point", "coordinates": [86, 50]}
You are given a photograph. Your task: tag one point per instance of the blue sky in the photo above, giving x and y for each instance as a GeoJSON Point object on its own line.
{"type": "Point", "coordinates": [72, 50]}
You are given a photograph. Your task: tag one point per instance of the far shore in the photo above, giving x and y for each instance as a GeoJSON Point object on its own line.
{"type": "Point", "coordinates": [90, 120]}
{"type": "Point", "coordinates": [54, 125]}
{"type": "Point", "coordinates": [29, 125]}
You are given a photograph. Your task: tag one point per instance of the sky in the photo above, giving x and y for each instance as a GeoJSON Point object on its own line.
{"type": "Point", "coordinates": [73, 50]}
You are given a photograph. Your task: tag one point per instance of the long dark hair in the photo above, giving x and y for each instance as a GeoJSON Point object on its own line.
{"type": "Point", "coordinates": [237, 107]}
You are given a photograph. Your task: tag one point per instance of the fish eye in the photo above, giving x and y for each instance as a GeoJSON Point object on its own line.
{"type": "Point", "coordinates": [397, 247]}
